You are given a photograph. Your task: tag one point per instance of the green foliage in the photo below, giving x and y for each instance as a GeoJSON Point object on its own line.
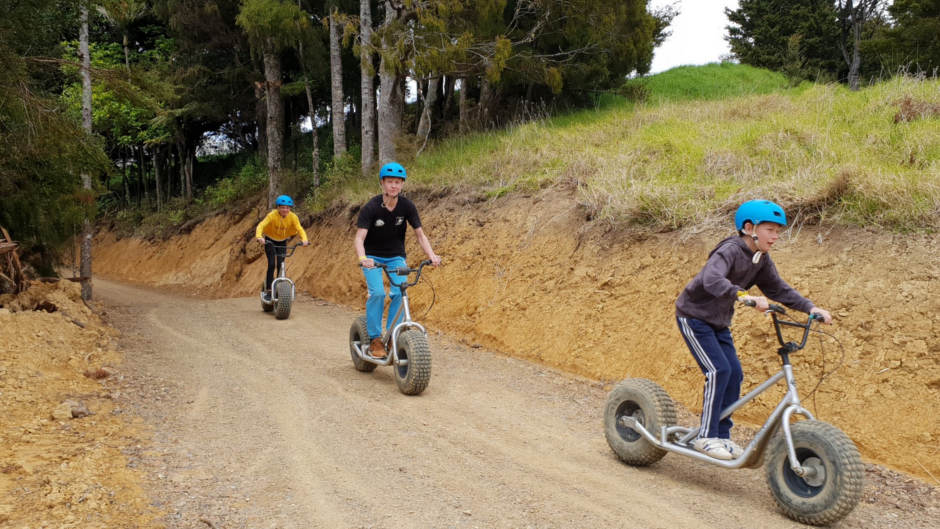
{"type": "Point", "coordinates": [272, 24]}
{"type": "Point", "coordinates": [912, 44]}
{"type": "Point", "coordinates": [250, 179]}
{"type": "Point", "coordinates": [763, 34]}
{"type": "Point", "coordinates": [42, 151]}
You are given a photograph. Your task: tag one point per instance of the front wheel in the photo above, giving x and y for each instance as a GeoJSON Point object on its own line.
{"type": "Point", "coordinates": [833, 485]}
{"type": "Point", "coordinates": [358, 333]}
{"type": "Point", "coordinates": [283, 302]}
{"type": "Point", "coordinates": [646, 402]}
{"type": "Point", "coordinates": [414, 376]}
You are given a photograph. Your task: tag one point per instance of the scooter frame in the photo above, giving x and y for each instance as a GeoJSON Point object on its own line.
{"type": "Point", "coordinates": [407, 322]}
{"type": "Point", "coordinates": [281, 277]}
{"type": "Point", "coordinates": [780, 418]}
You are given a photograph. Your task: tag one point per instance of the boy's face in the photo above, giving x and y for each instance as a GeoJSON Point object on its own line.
{"type": "Point", "coordinates": [767, 234]}
{"type": "Point", "coordinates": [391, 186]}
{"type": "Point", "coordinates": [283, 210]}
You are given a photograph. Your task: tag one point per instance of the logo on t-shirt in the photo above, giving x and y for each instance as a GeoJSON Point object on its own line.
{"type": "Point", "coordinates": [379, 223]}
{"type": "Point", "coordinates": [399, 220]}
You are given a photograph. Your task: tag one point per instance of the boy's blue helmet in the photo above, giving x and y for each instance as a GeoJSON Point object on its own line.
{"type": "Point", "coordinates": [757, 211]}
{"type": "Point", "coordinates": [394, 170]}
{"type": "Point", "coordinates": [284, 200]}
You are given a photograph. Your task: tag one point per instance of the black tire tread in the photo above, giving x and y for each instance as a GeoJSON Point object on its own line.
{"type": "Point", "coordinates": [661, 412]}
{"type": "Point", "coordinates": [849, 473]}
{"type": "Point", "coordinates": [415, 345]}
{"type": "Point", "coordinates": [358, 332]}
{"type": "Point", "coordinates": [284, 300]}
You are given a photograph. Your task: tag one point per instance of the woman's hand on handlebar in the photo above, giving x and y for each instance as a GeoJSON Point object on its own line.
{"type": "Point", "coordinates": [260, 239]}
{"type": "Point", "coordinates": [821, 314]}
{"type": "Point", "coordinates": [367, 263]}
{"type": "Point", "coordinates": [305, 243]}
{"type": "Point", "coordinates": [435, 259]}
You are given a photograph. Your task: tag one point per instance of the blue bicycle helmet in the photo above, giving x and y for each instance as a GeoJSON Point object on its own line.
{"type": "Point", "coordinates": [284, 200]}
{"type": "Point", "coordinates": [394, 170]}
{"type": "Point", "coordinates": [757, 211]}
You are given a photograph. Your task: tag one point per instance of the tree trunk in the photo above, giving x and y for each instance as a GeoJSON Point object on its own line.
{"type": "Point", "coordinates": [391, 98]}
{"type": "Point", "coordinates": [430, 100]}
{"type": "Point", "coordinates": [141, 188]}
{"type": "Point", "coordinates": [124, 181]}
{"type": "Point", "coordinates": [188, 170]}
{"type": "Point", "coordinates": [336, 85]}
{"type": "Point", "coordinates": [464, 105]}
{"type": "Point", "coordinates": [315, 151]}
{"type": "Point", "coordinates": [367, 90]}
{"type": "Point", "coordinates": [127, 55]}
{"type": "Point", "coordinates": [157, 160]}
{"type": "Point", "coordinates": [261, 119]}
{"type": "Point", "coordinates": [856, 63]}
{"type": "Point", "coordinates": [275, 120]}
{"type": "Point", "coordinates": [85, 266]}
{"type": "Point", "coordinates": [449, 84]}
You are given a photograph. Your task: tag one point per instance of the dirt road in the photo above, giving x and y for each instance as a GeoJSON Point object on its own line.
{"type": "Point", "coordinates": [259, 423]}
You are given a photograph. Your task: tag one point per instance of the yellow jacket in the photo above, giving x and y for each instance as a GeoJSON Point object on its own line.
{"type": "Point", "coordinates": [280, 228]}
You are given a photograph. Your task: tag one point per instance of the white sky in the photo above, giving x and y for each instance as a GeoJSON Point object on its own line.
{"type": "Point", "coordinates": [697, 33]}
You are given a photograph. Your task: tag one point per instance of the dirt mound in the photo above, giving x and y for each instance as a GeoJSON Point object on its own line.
{"type": "Point", "coordinates": [61, 437]}
{"type": "Point", "coordinates": [530, 277]}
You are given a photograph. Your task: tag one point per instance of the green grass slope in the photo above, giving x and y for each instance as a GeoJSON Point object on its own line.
{"type": "Point", "coordinates": [711, 137]}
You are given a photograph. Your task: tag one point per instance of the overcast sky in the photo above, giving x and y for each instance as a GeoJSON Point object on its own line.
{"type": "Point", "coordinates": [697, 33]}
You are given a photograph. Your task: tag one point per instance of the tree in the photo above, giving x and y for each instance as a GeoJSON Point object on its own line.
{"type": "Point", "coordinates": [799, 36]}
{"type": "Point", "coordinates": [272, 26]}
{"type": "Point", "coordinates": [87, 231]}
{"type": "Point", "coordinates": [43, 149]}
{"type": "Point", "coordinates": [338, 105]}
{"type": "Point", "coordinates": [367, 88]}
{"type": "Point", "coordinates": [912, 42]}
{"type": "Point", "coordinates": [853, 16]}
{"type": "Point", "coordinates": [123, 13]}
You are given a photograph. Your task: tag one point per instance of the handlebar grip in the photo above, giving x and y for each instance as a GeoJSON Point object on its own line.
{"type": "Point", "coordinates": [749, 303]}
{"type": "Point", "coordinates": [777, 308]}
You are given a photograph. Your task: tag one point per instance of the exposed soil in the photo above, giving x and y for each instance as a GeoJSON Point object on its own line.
{"type": "Point", "coordinates": [529, 277]}
{"type": "Point", "coordinates": [221, 416]}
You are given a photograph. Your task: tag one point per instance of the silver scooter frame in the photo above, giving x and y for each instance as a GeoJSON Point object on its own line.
{"type": "Point", "coordinates": [407, 322]}
{"type": "Point", "coordinates": [780, 418]}
{"type": "Point", "coordinates": [281, 277]}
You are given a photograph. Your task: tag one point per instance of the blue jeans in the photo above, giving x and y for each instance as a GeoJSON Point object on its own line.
{"type": "Point", "coordinates": [375, 304]}
{"type": "Point", "coordinates": [714, 351]}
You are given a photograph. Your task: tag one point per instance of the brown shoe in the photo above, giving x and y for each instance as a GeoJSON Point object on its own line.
{"type": "Point", "coordinates": [377, 348]}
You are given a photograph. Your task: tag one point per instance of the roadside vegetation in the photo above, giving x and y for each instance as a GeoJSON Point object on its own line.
{"type": "Point", "coordinates": [696, 147]}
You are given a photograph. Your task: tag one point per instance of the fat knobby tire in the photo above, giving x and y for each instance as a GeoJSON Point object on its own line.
{"type": "Point", "coordinates": [824, 499]}
{"type": "Point", "coordinates": [358, 332]}
{"type": "Point", "coordinates": [651, 406]}
{"type": "Point", "coordinates": [284, 301]}
{"type": "Point", "coordinates": [413, 378]}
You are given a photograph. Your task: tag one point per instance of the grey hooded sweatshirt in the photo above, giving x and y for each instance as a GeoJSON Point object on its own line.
{"type": "Point", "coordinates": [711, 294]}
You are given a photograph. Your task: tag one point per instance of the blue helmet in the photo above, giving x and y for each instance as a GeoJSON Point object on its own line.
{"type": "Point", "coordinates": [394, 170]}
{"type": "Point", "coordinates": [757, 211]}
{"type": "Point", "coordinates": [284, 200]}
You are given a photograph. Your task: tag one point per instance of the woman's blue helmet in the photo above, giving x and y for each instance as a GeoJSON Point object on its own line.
{"type": "Point", "coordinates": [284, 200]}
{"type": "Point", "coordinates": [394, 170]}
{"type": "Point", "coordinates": [757, 211]}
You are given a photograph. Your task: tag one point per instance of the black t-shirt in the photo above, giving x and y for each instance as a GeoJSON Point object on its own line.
{"type": "Point", "coordinates": [386, 236]}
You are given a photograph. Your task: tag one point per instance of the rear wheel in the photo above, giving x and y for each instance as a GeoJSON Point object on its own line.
{"type": "Point", "coordinates": [413, 377]}
{"type": "Point", "coordinates": [649, 405]}
{"type": "Point", "coordinates": [358, 333]}
{"type": "Point", "coordinates": [833, 485]}
{"type": "Point", "coordinates": [284, 301]}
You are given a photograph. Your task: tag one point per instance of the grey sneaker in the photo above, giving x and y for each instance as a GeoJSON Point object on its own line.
{"type": "Point", "coordinates": [733, 448]}
{"type": "Point", "coordinates": [713, 447]}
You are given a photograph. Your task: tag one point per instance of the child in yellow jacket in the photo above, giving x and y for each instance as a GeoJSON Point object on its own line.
{"type": "Point", "coordinates": [274, 231]}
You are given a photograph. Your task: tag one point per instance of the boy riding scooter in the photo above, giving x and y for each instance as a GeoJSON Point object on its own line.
{"type": "Point", "coordinates": [706, 305]}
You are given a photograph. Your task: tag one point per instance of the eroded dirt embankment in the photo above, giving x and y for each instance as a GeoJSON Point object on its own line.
{"type": "Point", "coordinates": [530, 277]}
